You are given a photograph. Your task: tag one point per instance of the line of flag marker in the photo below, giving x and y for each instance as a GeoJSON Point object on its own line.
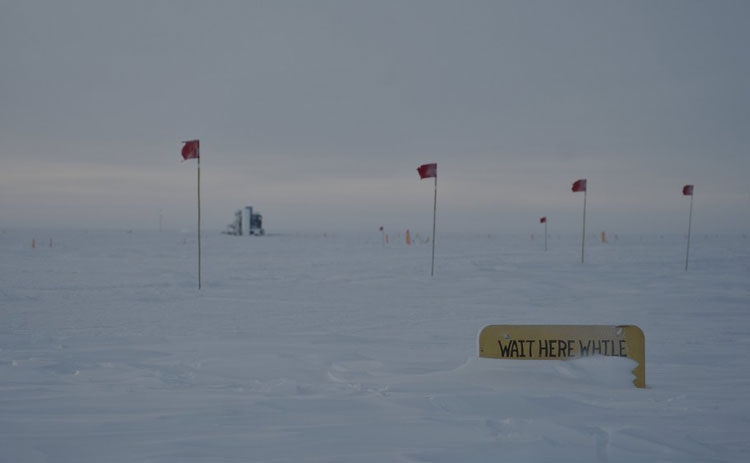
{"type": "Point", "coordinates": [191, 150]}
{"type": "Point", "coordinates": [582, 185]}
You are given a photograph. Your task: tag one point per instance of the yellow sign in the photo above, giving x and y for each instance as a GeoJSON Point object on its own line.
{"type": "Point", "coordinates": [561, 342]}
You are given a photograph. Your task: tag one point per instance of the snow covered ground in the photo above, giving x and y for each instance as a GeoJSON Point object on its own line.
{"type": "Point", "coordinates": [337, 349]}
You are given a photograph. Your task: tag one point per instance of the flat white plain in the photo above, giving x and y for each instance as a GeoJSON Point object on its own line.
{"type": "Point", "coordinates": [336, 348]}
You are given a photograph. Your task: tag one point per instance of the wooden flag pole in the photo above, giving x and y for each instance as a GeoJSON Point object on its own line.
{"type": "Point", "coordinates": [690, 222]}
{"type": "Point", "coordinates": [199, 222]}
{"type": "Point", "coordinates": [583, 239]}
{"type": "Point", "coordinates": [434, 220]}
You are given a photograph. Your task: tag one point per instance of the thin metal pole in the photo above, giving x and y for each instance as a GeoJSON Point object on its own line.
{"type": "Point", "coordinates": [690, 223]}
{"type": "Point", "coordinates": [199, 222]}
{"type": "Point", "coordinates": [583, 238]}
{"type": "Point", "coordinates": [545, 235]}
{"type": "Point", "coordinates": [434, 220]}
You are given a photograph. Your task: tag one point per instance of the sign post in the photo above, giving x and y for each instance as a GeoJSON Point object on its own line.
{"type": "Point", "coordinates": [562, 342]}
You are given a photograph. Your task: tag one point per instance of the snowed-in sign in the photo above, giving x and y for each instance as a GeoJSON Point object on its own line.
{"type": "Point", "coordinates": [562, 342]}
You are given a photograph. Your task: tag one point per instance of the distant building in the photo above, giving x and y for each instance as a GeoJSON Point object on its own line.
{"type": "Point", "coordinates": [246, 223]}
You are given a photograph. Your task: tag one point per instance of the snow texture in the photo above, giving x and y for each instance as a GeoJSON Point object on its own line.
{"type": "Point", "coordinates": [338, 349]}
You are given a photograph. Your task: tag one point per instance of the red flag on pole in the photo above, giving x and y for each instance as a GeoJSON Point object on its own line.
{"type": "Point", "coordinates": [191, 150]}
{"type": "Point", "coordinates": [427, 170]}
{"type": "Point", "coordinates": [687, 190]}
{"type": "Point", "coordinates": [579, 185]}
{"type": "Point", "coordinates": [543, 220]}
{"type": "Point", "coordinates": [430, 171]}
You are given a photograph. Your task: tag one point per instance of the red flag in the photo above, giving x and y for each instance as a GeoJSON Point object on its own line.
{"type": "Point", "coordinates": [687, 190]}
{"type": "Point", "coordinates": [579, 185]}
{"type": "Point", "coordinates": [191, 150]}
{"type": "Point", "coordinates": [427, 170]}
{"type": "Point", "coordinates": [543, 220]}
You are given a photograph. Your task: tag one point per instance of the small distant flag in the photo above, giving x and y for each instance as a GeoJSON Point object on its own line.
{"type": "Point", "coordinates": [543, 220]}
{"type": "Point", "coordinates": [687, 190]}
{"type": "Point", "coordinates": [579, 185]}
{"type": "Point", "coordinates": [427, 170]}
{"type": "Point", "coordinates": [430, 171]}
{"type": "Point", "coordinates": [191, 150]}
{"type": "Point", "coordinates": [381, 228]}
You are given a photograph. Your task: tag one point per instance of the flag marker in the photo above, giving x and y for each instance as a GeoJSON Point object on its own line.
{"type": "Point", "coordinates": [580, 185]}
{"type": "Point", "coordinates": [33, 244]}
{"type": "Point", "coordinates": [544, 221]}
{"type": "Point", "coordinates": [191, 150]}
{"type": "Point", "coordinates": [687, 190]}
{"type": "Point", "coordinates": [427, 171]}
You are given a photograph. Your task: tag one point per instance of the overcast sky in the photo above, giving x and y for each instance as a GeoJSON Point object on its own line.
{"type": "Point", "coordinates": [319, 112]}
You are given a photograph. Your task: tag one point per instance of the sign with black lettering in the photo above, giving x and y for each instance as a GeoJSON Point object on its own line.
{"type": "Point", "coordinates": [562, 342]}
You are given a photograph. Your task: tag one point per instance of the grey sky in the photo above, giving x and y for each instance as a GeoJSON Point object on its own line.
{"type": "Point", "coordinates": [318, 113]}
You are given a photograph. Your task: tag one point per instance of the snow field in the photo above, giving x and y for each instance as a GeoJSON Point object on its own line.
{"type": "Point", "coordinates": [310, 348]}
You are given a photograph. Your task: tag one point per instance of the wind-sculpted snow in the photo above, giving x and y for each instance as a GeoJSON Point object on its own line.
{"type": "Point", "coordinates": [337, 349]}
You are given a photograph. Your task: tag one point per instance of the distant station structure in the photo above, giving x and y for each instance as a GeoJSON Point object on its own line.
{"type": "Point", "coordinates": [246, 223]}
